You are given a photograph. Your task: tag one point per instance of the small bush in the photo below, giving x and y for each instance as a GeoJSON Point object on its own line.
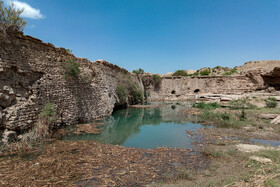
{"type": "Point", "coordinates": [70, 51]}
{"type": "Point", "coordinates": [41, 129]}
{"type": "Point", "coordinates": [138, 72]}
{"type": "Point", "coordinates": [49, 110]}
{"type": "Point", "coordinates": [243, 103]}
{"type": "Point", "coordinates": [135, 94]}
{"type": "Point", "coordinates": [211, 152]}
{"type": "Point", "coordinates": [71, 68]}
{"type": "Point", "coordinates": [122, 94]}
{"type": "Point", "coordinates": [224, 116]}
{"type": "Point", "coordinates": [205, 72]}
{"type": "Point", "coordinates": [156, 81]}
{"type": "Point", "coordinates": [271, 102]}
{"type": "Point", "coordinates": [196, 73]}
{"type": "Point", "coordinates": [10, 16]}
{"type": "Point", "coordinates": [206, 106]}
{"type": "Point", "coordinates": [180, 73]}
{"type": "Point", "coordinates": [243, 115]}
{"type": "Point", "coordinates": [234, 70]}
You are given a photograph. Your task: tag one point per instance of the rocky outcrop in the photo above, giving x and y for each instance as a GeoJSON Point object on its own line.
{"type": "Point", "coordinates": [272, 78]}
{"type": "Point", "coordinates": [31, 75]}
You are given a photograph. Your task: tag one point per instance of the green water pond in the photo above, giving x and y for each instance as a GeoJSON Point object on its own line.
{"type": "Point", "coordinates": [146, 128]}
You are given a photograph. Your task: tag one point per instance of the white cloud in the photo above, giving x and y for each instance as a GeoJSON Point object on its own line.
{"type": "Point", "coordinates": [28, 11]}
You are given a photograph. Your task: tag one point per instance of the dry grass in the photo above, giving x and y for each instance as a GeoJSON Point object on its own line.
{"type": "Point", "coordinates": [64, 163]}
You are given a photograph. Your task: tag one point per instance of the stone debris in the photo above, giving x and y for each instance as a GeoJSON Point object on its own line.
{"type": "Point", "coordinates": [268, 116]}
{"type": "Point", "coordinates": [276, 120]}
{"type": "Point", "coordinates": [9, 136]}
{"type": "Point", "coordinates": [261, 159]}
{"type": "Point", "coordinates": [248, 148]}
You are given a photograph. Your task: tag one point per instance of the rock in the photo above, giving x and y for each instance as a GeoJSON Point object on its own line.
{"type": "Point", "coordinates": [249, 128]}
{"type": "Point", "coordinates": [7, 96]}
{"type": "Point", "coordinates": [9, 136]}
{"type": "Point", "coordinates": [268, 116]}
{"type": "Point", "coordinates": [248, 148]}
{"type": "Point", "coordinates": [276, 120]}
{"type": "Point", "coordinates": [261, 159]}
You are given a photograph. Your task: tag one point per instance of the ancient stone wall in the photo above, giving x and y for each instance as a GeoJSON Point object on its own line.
{"type": "Point", "coordinates": [31, 75]}
{"type": "Point", "coordinates": [180, 88]}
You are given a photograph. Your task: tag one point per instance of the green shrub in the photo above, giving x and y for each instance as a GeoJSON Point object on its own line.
{"type": "Point", "coordinates": [138, 72]}
{"type": "Point", "coordinates": [71, 68]}
{"type": "Point", "coordinates": [224, 116]}
{"type": "Point", "coordinates": [70, 51]}
{"type": "Point", "coordinates": [234, 70]}
{"type": "Point", "coordinates": [205, 72]}
{"type": "Point", "coordinates": [271, 102]}
{"type": "Point", "coordinates": [48, 110]}
{"type": "Point", "coordinates": [243, 115]}
{"type": "Point", "coordinates": [206, 106]}
{"type": "Point", "coordinates": [196, 73]}
{"type": "Point", "coordinates": [243, 103]}
{"type": "Point", "coordinates": [135, 94]}
{"type": "Point", "coordinates": [10, 16]}
{"type": "Point", "coordinates": [122, 94]}
{"type": "Point", "coordinates": [180, 73]}
{"type": "Point", "coordinates": [156, 81]}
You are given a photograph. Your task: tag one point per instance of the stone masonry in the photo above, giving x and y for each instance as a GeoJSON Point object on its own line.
{"type": "Point", "coordinates": [31, 75]}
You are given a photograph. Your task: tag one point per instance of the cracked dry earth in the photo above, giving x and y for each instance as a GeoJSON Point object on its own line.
{"type": "Point", "coordinates": [88, 163]}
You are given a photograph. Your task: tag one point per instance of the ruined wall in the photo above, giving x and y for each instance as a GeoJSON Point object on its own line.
{"type": "Point", "coordinates": [31, 75]}
{"type": "Point", "coordinates": [180, 88]}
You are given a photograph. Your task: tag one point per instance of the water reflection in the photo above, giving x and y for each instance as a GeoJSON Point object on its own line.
{"type": "Point", "coordinates": [146, 128]}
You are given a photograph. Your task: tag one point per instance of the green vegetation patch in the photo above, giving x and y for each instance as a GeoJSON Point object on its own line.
{"type": "Point", "coordinates": [10, 16]}
{"type": "Point", "coordinates": [181, 73]}
{"type": "Point", "coordinates": [49, 110]}
{"type": "Point", "coordinates": [271, 102]}
{"type": "Point", "coordinates": [71, 68]}
{"type": "Point", "coordinates": [243, 103]}
{"type": "Point", "coordinates": [138, 71]}
{"type": "Point", "coordinates": [205, 72]}
{"type": "Point", "coordinates": [122, 93]}
{"type": "Point", "coordinates": [206, 106]}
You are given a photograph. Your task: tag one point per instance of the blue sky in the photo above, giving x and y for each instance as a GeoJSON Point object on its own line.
{"type": "Point", "coordinates": [160, 36]}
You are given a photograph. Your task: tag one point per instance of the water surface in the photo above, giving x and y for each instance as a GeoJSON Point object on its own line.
{"type": "Point", "coordinates": [146, 128]}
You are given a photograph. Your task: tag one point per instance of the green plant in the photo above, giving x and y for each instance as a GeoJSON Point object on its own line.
{"type": "Point", "coordinates": [196, 73]}
{"type": "Point", "coordinates": [49, 110]}
{"type": "Point", "coordinates": [206, 106]}
{"type": "Point", "coordinates": [70, 51]}
{"type": "Point", "coordinates": [243, 115]}
{"type": "Point", "coordinates": [10, 16]}
{"type": "Point", "coordinates": [180, 73]}
{"type": "Point", "coordinates": [135, 93]}
{"type": "Point", "coordinates": [243, 103]}
{"type": "Point", "coordinates": [232, 71]}
{"type": "Point", "coordinates": [205, 72]}
{"type": "Point", "coordinates": [156, 81]}
{"type": "Point", "coordinates": [138, 72]}
{"type": "Point", "coordinates": [71, 68]}
{"type": "Point", "coordinates": [122, 94]}
{"type": "Point", "coordinates": [271, 102]}
{"type": "Point", "coordinates": [183, 174]}
{"type": "Point", "coordinates": [211, 152]}
{"type": "Point", "coordinates": [225, 116]}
